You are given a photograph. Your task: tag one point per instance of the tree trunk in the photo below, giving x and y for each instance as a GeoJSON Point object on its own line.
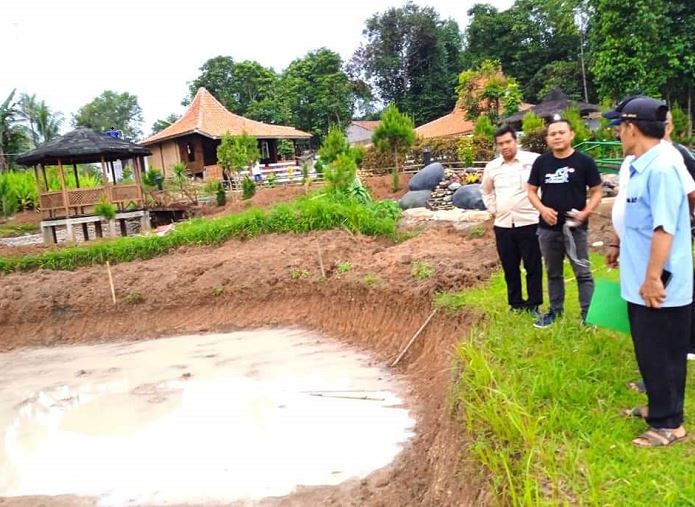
{"type": "Point", "coordinates": [395, 180]}
{"type": "Point", "coordinates": [690, 111]}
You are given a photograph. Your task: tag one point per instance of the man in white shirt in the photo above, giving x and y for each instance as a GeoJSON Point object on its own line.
{"type": "Point", "coordinates": [505, 194]}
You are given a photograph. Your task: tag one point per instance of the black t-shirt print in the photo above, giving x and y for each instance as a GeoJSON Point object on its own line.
{"type": "Point", "coordinates": [563, 183]}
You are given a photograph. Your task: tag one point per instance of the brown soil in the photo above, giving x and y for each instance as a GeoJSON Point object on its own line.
{"type": "Point", "coordinates": [275, 281]}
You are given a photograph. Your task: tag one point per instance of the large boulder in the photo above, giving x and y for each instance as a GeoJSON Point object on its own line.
{"type": "Point", "coordinates": [469, 197]}
{"type": "Point", "coordinates": [427, 178]}
{"type": "Point", "coordinates": [415, 199]}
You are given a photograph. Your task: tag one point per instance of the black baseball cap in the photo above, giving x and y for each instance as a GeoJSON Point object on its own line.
{"type": "Point", "coordinates": [638, 107]}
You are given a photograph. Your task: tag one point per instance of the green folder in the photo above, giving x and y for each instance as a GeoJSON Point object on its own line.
{"type": "Point", "coordinates": [608, 309]}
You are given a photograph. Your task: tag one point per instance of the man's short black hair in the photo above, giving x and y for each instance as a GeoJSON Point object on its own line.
{"type": "Point", "coordinates": [653, 129]}
{"type": "Point", "coordinates": [505, 129]}
{"type": "Point", "coordinates": [558, 119]}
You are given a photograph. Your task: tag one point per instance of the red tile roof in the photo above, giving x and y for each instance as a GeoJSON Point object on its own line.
{"type": "Point", "coordinates": [366, 124]}
{"type": "Point", "coordinates": [206, 116]}
{"type": "Point", "coordinates": [452, 124]}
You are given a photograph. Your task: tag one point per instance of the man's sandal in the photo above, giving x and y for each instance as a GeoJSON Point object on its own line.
{"type": "Point", "coordinates": [658, 437]}
{"type": "Point", "coordinates": [638, 412]}
{"type": "Point", "coordinates": [637, 385]}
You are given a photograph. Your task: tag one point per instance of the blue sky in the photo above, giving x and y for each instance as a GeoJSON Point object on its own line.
{"type": "Point", "coordinates": [68, 51]}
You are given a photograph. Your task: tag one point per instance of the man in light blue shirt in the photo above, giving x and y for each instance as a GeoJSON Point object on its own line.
{"type": "Point", "coordinates": [655, 267]}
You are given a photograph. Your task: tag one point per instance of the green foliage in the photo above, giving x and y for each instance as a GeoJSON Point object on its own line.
{"type": "Point", "coordinates": [237, 152]}
{"type": "Point", "coordinates": [285, 148]}
{"type": "Point", "coordinates": [466, 152]}
{"type": "Point", "coordinates": [112, 110]}
{"type": "Point", "coordinates": [248, 188]}
{"type": "Point", "coordinates": [105, 209]}
{"type": "Point", "coordinates": [422, 270]}
{"type": "Point", "coordinates": [484, 127]}
{"type": "Point", "coordinates": [296, 273]}
{"type": "Point", "coordinates": [395, 133]}
{"type": "Point", "coordinates": [317, 92]}
{"type": "Point", "coordinates": [475, 231]}
{"type": "Point", "coordinates": [526, 38]}
{"type": "Point", "coordinates": [271, 180]}
{"type": "Point", "coordinates": [9, 230]}
{"type": "Point", "coordinates": [344, 267]}
{"type": "Point", "coordinates": [221, 195]}
{"type": "Point", "coordinates": [42, 123]}
{"type": "Point", "coordinates": [543, 409]}
{"type": "Point", "coordinates": [370, 280]}
{"type": "Point", "coordinates": [486, 90]}
{"type": "Point", "coordinates": [17, 192]}
{"type": "Point", "coordinates": [217, 291]}
{"type": "Point", "coordinates": [358, 192]}
{"type": "Point", "coordinates": [340, 174]}
{"type": "Point", "coordinates": [134, 298]}
{"type": "Point", "coordinates": [14, 137]}
{"type": "Point", "coordinates": [531, 123]}
{"type": "Point", "coordinates": [619, 71]}
{"type": "Point", "coordinates": [244, 88]}
{"type": "Point", "coordinates": [333, 145]}
{"type": "Point", "coordinates": [681, 125]}
{"type": "Point", "coordinates": [411, 57]}
{"type": "Point", "coordinates": [309, 213]}
{"type": "Point", "coordinates": [581, 131]}
{"type": "Point", "coordinates": [151, 177]}
{"type": "Point", "coordinates": [160, 125]}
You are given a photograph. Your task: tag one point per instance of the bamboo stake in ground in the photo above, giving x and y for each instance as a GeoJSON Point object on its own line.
{"type": "Point", "coordinates": [323, 271]}
{"type": "Point", "coordinates": [113, 289]}
{"type": "Point", "coordinates": [412, 340]}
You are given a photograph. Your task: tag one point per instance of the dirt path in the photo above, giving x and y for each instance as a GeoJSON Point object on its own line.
{"type": "Point", "coordinates": [275, 281]}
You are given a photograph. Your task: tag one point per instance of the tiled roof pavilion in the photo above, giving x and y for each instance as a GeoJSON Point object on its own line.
{"type": "Point", "coordinates": [208, 117]}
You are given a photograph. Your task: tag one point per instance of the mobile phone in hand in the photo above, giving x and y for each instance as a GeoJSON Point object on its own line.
{"type": "Point", "coordinates": [666, 276]}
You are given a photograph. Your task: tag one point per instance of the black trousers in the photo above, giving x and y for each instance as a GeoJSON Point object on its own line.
{"type": "Point", "coordinates": [515, 244]}
{"type": "Point", "coordinates": [661, 339]}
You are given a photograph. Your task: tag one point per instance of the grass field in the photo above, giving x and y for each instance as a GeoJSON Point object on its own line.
{"type": "Point", "coordinates": [543, 409]}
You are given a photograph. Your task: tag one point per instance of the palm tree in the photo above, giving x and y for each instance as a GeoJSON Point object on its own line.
{"type": "Point", "coordinates": [13, 138]}
{"type": "Point", "coordinates": [43, 124]}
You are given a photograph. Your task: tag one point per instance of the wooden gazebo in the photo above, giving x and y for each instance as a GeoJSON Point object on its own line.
{"type": "Point", "coordinates": [555, 102]}
{"type": "Point", "coordinates": [69, 207]}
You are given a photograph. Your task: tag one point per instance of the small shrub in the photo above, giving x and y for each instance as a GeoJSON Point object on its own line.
{"type": "Point", "coordinates": [220, 195]}
{"type": "Point", "coordinates": [344, 267]}
{"type": "Point", "coordinates": [297, 273]}
{"type": "Point", "coordinates": [105, 209]}
{"type": "Point", "coordinates": [134, 298]}
{"type": "Point", "coordinates": [422, 270]}
{"type": "Point", "coordinates": [476, 231]}
{"type": "Point", "coordinates": [248, 188]}
{"type": "Point", "coordinates": [271, 180]}
{"type": "Point", "coordinates": [370, 279]}
{"type": "Point", "coordinates": [217, 291]}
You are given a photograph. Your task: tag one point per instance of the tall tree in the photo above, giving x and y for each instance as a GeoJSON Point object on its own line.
{"type": "Point", "coordinates": [238, 86]}
{"type": "Point", "coordinates": [13, 136]}
{"type": "Point", "coordinates": [525, 39]}
{"type": "Point", "coordinates": [42, 123]}
{"type": "Point", "coordinates": [112, 110]}
{"type": "Point", "coordinates": [486, 90]}
{"type": "Point", "coordinates": [161, 124]}
{"type": "Point", "coordinates": [395, 133]}
{"type": "Point", "coordinates": [318, 92]}
{"type": "Point", "coordinates": [631, 48]}
{"type": "Point", "coordinates": [412, 59]}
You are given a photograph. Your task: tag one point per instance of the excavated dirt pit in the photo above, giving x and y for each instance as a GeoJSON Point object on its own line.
{"type": "Point", "coordinates": [206, 419]}
{"type": "Point", "coordinates": [274, 281]}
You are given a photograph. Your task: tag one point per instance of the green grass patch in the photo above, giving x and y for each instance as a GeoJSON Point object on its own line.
{"type": "Point", "coordinates": [313, 212]}
{"type": "Point", "coordinates": [542, 407]}
{"type": "Point", "coordinates": [12, 230]}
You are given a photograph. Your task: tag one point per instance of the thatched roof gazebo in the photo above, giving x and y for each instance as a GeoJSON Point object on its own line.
{"type": "Point", "coordinates": [553, 103]}
{"type": "Point", "coordinates": [70, 206]}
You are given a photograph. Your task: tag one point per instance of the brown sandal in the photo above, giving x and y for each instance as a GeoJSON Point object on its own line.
{"type": "Point", "coordinates": [658, 437]}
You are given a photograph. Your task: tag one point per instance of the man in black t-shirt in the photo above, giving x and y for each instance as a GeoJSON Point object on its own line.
{"type": "Point", "coordinates": [563, 176]}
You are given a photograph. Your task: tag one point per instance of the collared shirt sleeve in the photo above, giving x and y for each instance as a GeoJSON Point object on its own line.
{"type": "Point", "coordinates": [487, 189]}
{"type": "Point", "coordinates": [664, 183]}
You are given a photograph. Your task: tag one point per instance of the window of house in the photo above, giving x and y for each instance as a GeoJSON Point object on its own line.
{"type": "Point", "coordinates": [265, 150]}
{"type": "Point", "coordinates": [190, 151]}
